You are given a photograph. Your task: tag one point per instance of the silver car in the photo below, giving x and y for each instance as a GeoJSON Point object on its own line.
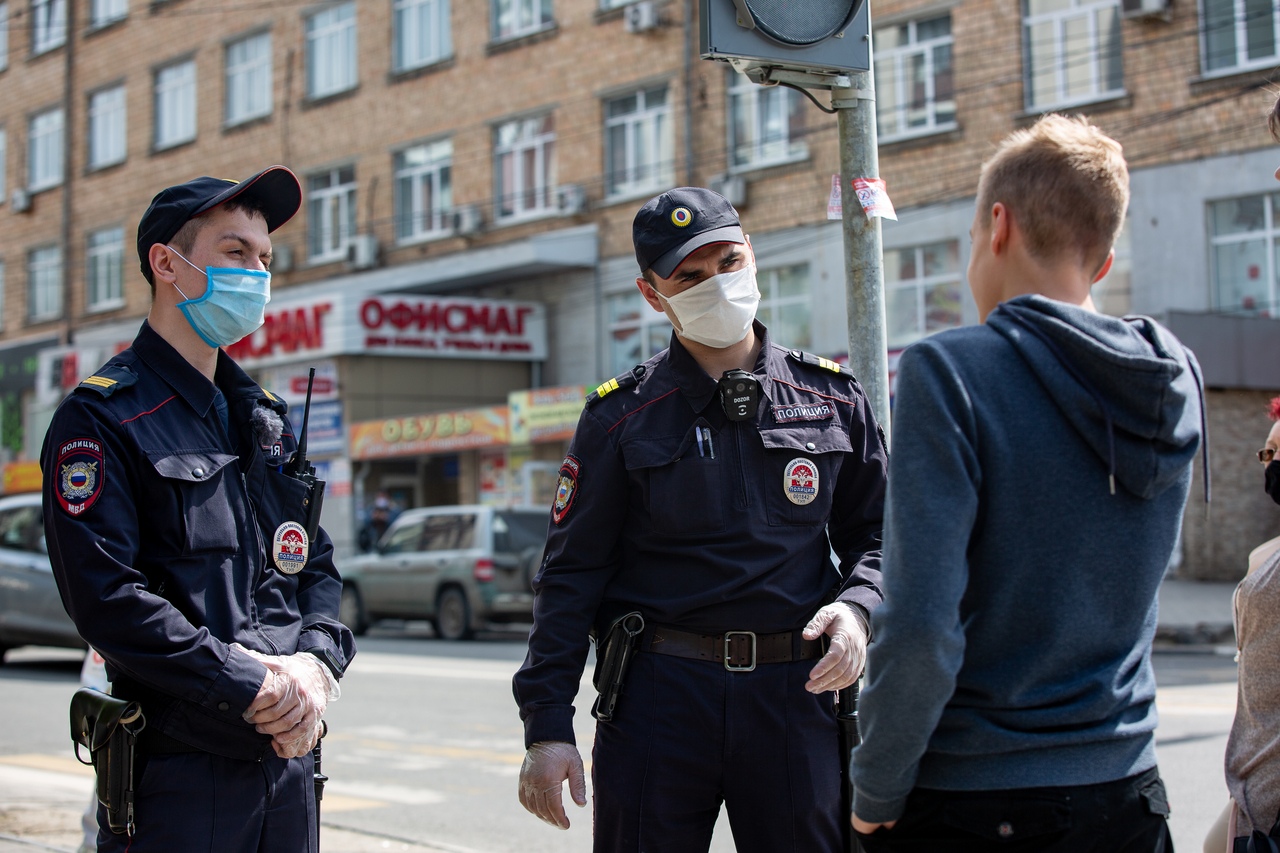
{"type": "Point", "coordinates": [31, 611]}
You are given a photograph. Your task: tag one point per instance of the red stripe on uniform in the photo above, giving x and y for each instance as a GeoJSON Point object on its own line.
{"type": "Point", "coordinates": [140, 414]}
{"type": "Point", "coordinates": [815, 393]}
{"type": "Point", "coordinates": [650, 403]}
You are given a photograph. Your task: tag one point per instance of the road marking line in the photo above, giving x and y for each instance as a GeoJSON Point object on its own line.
{"type": "Point", "coordinates": [52, 763]}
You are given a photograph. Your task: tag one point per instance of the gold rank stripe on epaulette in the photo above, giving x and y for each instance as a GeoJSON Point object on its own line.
{"type": "Point", "coordinates": [100, 382]}
{"type": "Point", "coordinates": [819, 361]}
{"type": "Point", "coordinates": [272, 397]}
{"type": "Point", "coordinates": [625, 380]}
{"type": "Point", "coordinates": [109, 380]}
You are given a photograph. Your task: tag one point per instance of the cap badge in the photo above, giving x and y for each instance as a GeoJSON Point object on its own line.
{"type": "Point", "coordinates": [800, 481]}
{"type": "Point", "coordinates": [681, 217]}
{"type": "Point", "coordinates": [289, 547]}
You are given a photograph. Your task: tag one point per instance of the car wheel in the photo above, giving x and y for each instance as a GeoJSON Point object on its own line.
{"type": "Point", "coordinates": [453, 615]}
{"type": "Point", "coordinates": [351, 611]}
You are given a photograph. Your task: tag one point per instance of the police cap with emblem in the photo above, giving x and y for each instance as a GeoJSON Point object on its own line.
{"type": "Point", "coordinates": [672, 226]}
{"type": "Point", "coordinates": [274, 189]}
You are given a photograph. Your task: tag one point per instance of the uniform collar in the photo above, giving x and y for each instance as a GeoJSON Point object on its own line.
{"type": "Point", "coordinates": [699, 388]}
{"type": "Point", "coordinates": [192, 385]}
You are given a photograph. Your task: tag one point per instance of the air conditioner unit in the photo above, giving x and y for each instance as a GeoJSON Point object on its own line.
{"type": "Point", "coordinates": [571, 199]}
{"type": "Point", "coordinates": [466, 219]}
{"type": "Point", "coordinates": [282, 258]}
{"type": "Point", "coordinates": [1147, 9]}
{"type": "Point", "coordinates": [732, 187]}
{"type": "Point", "coordinates": [20, 201]}
{"type": "Point", "coordinates": [640, 17]}
{"type": "Point", "coordinates": [362, 251]}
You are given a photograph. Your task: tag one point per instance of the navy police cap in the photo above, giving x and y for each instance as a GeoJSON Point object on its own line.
{"type": "Point", "coordinates": [672, 226]}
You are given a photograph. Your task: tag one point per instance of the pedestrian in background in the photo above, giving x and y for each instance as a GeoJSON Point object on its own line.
{"type": "Point", "coordinates": [177, 541]}
{"type": "Point", "coordinates": [699, 492]}
{"type": "Point", "coordinates": [1041, 465]}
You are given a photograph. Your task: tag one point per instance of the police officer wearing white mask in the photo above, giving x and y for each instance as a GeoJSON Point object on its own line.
{"type": "Point", "coordinates": [693, 525]}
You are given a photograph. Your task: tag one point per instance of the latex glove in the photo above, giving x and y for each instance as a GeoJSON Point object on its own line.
{"type": "Point", "coordinates": [299, 740]}
{"type": "Point", "coordinates": [546, 767]}
{"type": "Point", "coordinates": [291, 701]}
{"type": "Point", "coordinates": [842, 664]}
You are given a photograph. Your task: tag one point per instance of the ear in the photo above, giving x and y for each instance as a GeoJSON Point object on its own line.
{"type": "Point", "coordinates": [1001, 227]}
{"type": "Point", "coordinates": [162, 261]}
{"type": "Point", "coordinates": [1106, 267]}
{"type": "Point", "coordinates": [650, 295]}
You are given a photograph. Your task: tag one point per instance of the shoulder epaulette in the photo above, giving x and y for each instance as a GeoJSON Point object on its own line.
{"type": "Point", "coordinates": [109, 380]}
{"type": "Point", "coordinates": [623, 380]}
{"type": "Point", "coordinates": [275, 402]}
{"type": "Point", "coordinates": [819, 361]}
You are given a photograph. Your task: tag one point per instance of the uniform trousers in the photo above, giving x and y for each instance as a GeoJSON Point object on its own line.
{"type": "Point", "coordinates": [1125, 816]}
{"type": "Point", "coordinates": [197, 801]}
{"type": "Point", "coordinates": [688, 736]}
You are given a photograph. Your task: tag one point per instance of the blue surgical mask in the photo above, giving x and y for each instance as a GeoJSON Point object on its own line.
{"type": "Point", "coordinates": [233, 306]}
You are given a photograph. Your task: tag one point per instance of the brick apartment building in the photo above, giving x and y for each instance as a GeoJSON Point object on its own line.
{"type": "Point", "coordinates": [462, 266]}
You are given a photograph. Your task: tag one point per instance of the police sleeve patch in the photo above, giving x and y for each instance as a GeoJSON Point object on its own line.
{"type": "Point", "coordinates": [566, 489]}
{"type": "Point", "coordinates": [81, 474]}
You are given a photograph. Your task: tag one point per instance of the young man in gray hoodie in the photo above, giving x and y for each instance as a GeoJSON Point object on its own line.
{"type": "Point", "coordinates": [1040, 466]}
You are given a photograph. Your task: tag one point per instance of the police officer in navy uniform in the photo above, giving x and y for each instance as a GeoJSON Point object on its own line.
{"type": "Point", "coordinates": [179, 543]}
{"type": "Point", "coordinates": [713, 515]}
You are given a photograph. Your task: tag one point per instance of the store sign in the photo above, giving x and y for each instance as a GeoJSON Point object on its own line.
{"type": "Point", "coordinates": [22, 477]}
{"type": "Point", "coordinates": [324, 427]}
{"type": "Point", "coordinates": [442, 432]}
{"type": "Point", "coordinates": [545, 414]}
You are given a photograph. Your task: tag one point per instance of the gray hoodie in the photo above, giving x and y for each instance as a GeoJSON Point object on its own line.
{"type": "Point", "coordinates": [1040, 467]}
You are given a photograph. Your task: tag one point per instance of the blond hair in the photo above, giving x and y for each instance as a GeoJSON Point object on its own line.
{"type": "Point", "coordinates": [1066, 185]}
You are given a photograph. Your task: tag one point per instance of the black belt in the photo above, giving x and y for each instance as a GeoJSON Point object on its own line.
{"type": "Point", "coordinates": [739, 651]}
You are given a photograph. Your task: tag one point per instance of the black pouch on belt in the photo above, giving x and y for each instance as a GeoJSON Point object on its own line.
{"type": "Point", "coordinates": [108, 727]}
{"type": "Point", "coordinates": [613, 652]}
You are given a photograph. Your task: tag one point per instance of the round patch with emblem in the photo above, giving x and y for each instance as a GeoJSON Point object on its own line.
{"type": "Point", "coordinates": [81, 473]}
{"type": "Point", "coordinates": [681, 216]}
{"type": "Point", "coordinates": [566, 489]}
{"type": "Point", "coordinates": [289, 547]}
{"type": "Point", "coordinates": [800, 481]}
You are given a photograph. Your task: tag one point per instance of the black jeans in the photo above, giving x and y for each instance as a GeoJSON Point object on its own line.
{"type": "Point", "coordinates": [1126, 816]}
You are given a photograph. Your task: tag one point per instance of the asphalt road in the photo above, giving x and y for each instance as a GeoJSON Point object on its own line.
{"type": "Point", "coordinates": [425, 749]}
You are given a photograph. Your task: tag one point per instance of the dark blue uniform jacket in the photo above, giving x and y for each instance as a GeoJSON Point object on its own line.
{"type": "Point", "coordinates": [647, 519]}
{"type": "Point", "coordinates": [159, 526]}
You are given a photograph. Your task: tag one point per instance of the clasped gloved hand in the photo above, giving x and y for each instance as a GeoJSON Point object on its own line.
{"type": "Point", "coordinates": [546, 767]}
{"type": "Point", "coordinates": [291, 701]}
{"type": "Point", "coordinates": [842, 664]}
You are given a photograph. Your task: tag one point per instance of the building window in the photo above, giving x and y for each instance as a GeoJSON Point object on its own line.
{"type": "Point", "coordinates": [175, 104]}
{"type": "Point", "coordinates": [636, 331]}
{"type": "Point", "coordinates": [424, 190]}
{"type": "Point", "coordinates": [420, 33]}
{"type": "Point", "coordinates": [764, 123]}
{"type": "Point", "coordinates": [784, 304]}
{"type": "Point", "coordinates": [103, 12]}
{"type": "Point", "coordinates": [915, 91]}
{"type": "Point", "coordinates": [331, 209]}
{"type": "Point", "coordinates": [48, 24]}
{"type": "Point", "coordinates": [515, 18]}
{"type": "Point", "coordinates": [331, 50]}
{"type": "Point", "coordinates": [249, 78]}
{"type": "Point", "coordinates": [4, 36]}
{"type": "Point", "coordinates": [1073, 52]}
{"type": "Point", "coordinates": [1239, 34]}
{"type": "Point", "coordinates": [524, 162]}
{"type": "Point", "coordinates": [106, 127]}
{"type": "Point", "coordinates": [104, 258]}
{"type": "Point", "coordinates": [1244, 239]}
{"type": "Point", "coordinates": [44, 284]}
{"type": "Point", "coordinates": [638, 143]}
{"type": "Point", "coordinates": [922, 291]}
{"type": "Point", "coordinates": [44, 150]}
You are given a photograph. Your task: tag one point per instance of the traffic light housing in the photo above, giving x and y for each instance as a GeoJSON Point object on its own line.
{"type": "Point", "coordinates": [813, 36]}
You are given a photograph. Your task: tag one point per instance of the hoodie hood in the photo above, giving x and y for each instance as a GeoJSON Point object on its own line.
{"type": "Point", "coordinates": [1127, 386]}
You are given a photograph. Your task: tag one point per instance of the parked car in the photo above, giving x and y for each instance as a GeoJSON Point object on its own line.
{"type": "Point", "coordinates": [31, 611]}
{"type": "Point", "coordinates": [460, 567]}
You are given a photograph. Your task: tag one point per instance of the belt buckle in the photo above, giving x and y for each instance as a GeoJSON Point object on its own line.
{"type": "Point", "coordinates": [749, 667]}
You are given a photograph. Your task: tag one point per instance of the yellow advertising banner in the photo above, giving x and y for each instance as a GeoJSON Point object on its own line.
{"type": "Point", "coordinates": [441, 432]}
{"type": "Point", "coordinates": [545, 414]}
{"type": "Point", "coordinates": [21, 477]}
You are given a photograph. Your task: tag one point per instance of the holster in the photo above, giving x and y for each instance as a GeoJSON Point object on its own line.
{"type": "Point", "coordinates": [613, 652]}
{"type": "Point", "coordinates": [108, 727]}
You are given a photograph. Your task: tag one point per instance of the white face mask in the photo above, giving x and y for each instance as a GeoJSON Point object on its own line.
{"type": "Point", "coordinates": [717, 312]}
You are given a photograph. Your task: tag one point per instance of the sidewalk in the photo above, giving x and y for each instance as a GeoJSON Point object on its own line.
{"type": "Point", "coordinates": [1195, 614]}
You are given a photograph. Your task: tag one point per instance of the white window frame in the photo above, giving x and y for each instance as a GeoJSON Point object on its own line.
{"type": "Point", "coordinates": [530, 16]}
{"type": "Point", "coordinates": [921, 284]}
{"type": "Point", "coordinates": [433, 172]}
{"type": "Point", "coordinates": [104, 269]}
{"type": "Point", "coordinates": [645, 120]}
{"type": "Point", "coordinates": [104, 12]}
{"type": "Point", "coordinates": [763, 105]}
{"type": "Point", "coordinates": [1090, 12]}
{"type": "Point", "coordinates": [331, 212]}
{"type": "Point", "coordinates": [107, 136]}
{"type": "Point", "coordinates": [1269, 235]}
{"type": "Point", "coordinates": [653, 327]}
{"type": "Point", "coordinates": [527, 138]}
{"type": "Point", "coordinates": [772, 304]}
{"type": "Point", "coordinates": [248, 78]}
{"type": "Point", "coordinates": [44, 283]}
{"type": "Point", "coordinates": [174, 104]}
{"type": "Point", "coordinates": [331, 50]}
{"type": "Point", "coordinates": [409, 49]}
{"type": "Point", "coordinates": [895, 65]}
{"type": "Point", "coordinates": [44, 149]}
{"type": "Point", "coordinates": [4, 34]}
{"type": "Point", "coordinates": [48, 25]}
{"type": "Point", "coordinates": [1240, 25]}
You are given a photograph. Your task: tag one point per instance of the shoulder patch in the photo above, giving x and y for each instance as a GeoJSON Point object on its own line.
{"type": "Point", "coordinates": [81, 473]}
{"type": "Point", "coordinates": [623, 380]}
{"type": "Point", "coordinates": [566, 489]}
{"type": "Point", "coordinates": [820, 362]}
{"type": "Point", "coordinates": [109, 379]}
